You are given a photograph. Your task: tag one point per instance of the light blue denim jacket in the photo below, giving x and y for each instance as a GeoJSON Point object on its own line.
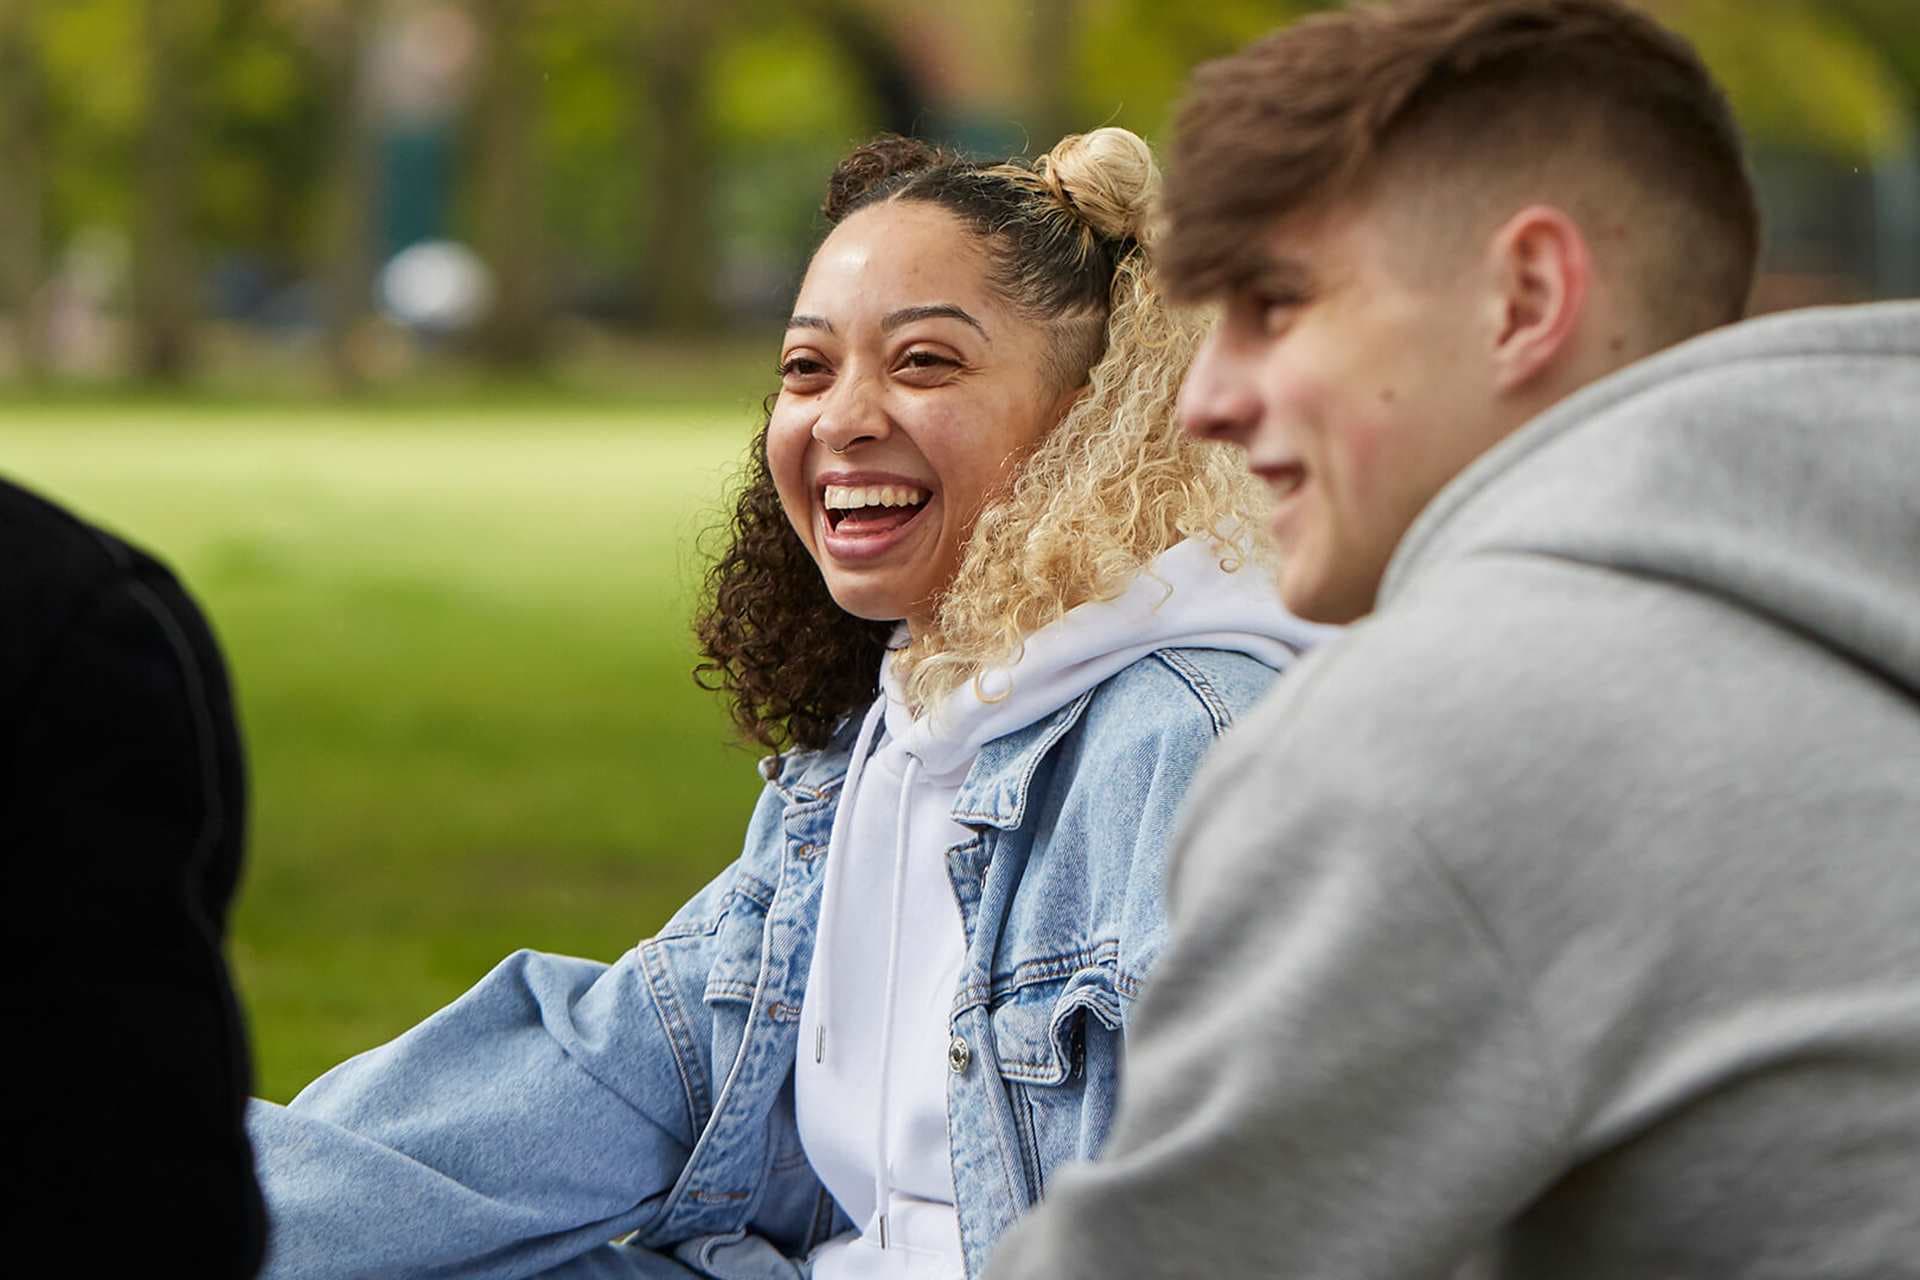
{"type": "Point", "coordinates": [562, 1103]}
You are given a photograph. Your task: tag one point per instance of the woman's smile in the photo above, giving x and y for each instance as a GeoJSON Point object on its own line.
{"type": "Point", "coordinates": [864, 514]}
{"type": "Point", "coordinates": [909, 389]}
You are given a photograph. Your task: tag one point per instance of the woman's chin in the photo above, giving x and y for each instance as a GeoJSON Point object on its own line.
{"type": "Point", "coordinates": [872, 602]}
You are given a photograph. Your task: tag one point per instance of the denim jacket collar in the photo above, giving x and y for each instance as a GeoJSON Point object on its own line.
{"type": "Point", "coordinates": [994, 793]}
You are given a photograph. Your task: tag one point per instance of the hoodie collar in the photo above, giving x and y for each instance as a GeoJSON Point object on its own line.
{"type": "Point", "coordinates": [994, 793]}
{"type": "Point", "coordinates": [1183, 598]}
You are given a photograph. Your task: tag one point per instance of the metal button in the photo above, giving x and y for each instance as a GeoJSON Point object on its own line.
{"type": "Point", "coordinates": [959, 1054]}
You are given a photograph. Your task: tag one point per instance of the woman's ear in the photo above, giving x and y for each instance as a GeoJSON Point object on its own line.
{"type": "Point", "coordinates": [1068, 398]}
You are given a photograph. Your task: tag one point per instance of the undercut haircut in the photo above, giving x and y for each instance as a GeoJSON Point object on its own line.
{"type": "Point", "coordinates": [1440, 105]}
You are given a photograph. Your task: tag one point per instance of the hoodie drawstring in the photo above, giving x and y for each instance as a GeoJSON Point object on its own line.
{"type": "Point", "coordinates": [882, 1178]}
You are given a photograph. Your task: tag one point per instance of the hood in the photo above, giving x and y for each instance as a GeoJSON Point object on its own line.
{"type": "Point", "coordinates": [1775, 464]}
{"type": "Point", "coordinates": [1183, 599]}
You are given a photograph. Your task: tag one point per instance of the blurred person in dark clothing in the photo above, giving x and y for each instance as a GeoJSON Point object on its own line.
{"type": "Point", "coordinates": [123, 813]}
{"type": "Point", "coordinates": [1562, 919]}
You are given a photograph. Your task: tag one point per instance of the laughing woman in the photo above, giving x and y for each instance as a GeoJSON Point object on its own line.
{"type": "Point", "coordinates": [989, 607]}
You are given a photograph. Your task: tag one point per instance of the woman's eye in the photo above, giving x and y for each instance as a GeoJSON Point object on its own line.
{"type": "Point", "coordinates": [801, 367]}
{"type": "Point", "coordinates": [924, 360]}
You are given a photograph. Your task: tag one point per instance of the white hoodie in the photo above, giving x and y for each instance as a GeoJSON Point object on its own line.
{"type": "Point", "coordinates": [871, 1091]}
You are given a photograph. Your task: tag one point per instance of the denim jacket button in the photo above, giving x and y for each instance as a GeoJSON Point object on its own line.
{"type": "Point", "coordinates": [959, 1054]}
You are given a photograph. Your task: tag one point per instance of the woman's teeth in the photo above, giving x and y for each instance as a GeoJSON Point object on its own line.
{"type": "Point", "coordinates": [853, 497]}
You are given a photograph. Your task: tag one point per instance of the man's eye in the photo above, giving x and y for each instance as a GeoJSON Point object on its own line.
{"type": "Point", "coordinates": [1276, 311]}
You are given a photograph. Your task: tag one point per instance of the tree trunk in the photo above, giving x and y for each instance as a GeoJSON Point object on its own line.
{"type": "Point", "coordinates": [509, 213]}
{"type": "Point", "coordinates": [676, 62]}
{"type": "Point", "coordinates": [23, 150]}
{"type": "Point", "coordinates": [349, 190]}
{"type": "Point", "coordinates": [164, 275]}
{"type": "Point", "coordinates": [1050, 35]}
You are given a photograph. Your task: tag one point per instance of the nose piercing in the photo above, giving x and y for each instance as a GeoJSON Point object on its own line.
{"type": "Point", "coordinates": [832, 450]}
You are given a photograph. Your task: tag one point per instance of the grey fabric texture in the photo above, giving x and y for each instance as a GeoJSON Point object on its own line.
{"type": "Point", "coordinates": [1563, 918]}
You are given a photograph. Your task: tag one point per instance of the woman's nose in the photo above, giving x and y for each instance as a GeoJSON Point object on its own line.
{"type": "Point", "coordinates": [852, 414]}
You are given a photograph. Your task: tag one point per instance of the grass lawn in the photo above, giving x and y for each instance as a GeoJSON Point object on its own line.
{"type": "Point", "coordinates": [460, 642]}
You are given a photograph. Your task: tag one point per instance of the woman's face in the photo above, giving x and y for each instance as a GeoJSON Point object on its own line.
{"type": "Point", "coordinates": [908, 392]}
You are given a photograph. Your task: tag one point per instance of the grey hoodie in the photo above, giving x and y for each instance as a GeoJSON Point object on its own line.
{"type": "Point", "coordinates": [1563, 919]}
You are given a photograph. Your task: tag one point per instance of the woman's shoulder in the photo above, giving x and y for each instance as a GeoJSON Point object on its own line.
{"type": "Point", "coordinates": [808, 774]}
{"type": "Point", "coordinates": [1202, 691]}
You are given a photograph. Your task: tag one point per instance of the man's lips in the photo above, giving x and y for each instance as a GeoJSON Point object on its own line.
{"type": "Point", "coordinates": [1284, 477]}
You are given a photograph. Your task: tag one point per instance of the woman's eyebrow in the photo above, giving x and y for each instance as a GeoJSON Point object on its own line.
{"type": "Point", "coordinates": [811, 322]}
{"type": "Point", "coordinates": [934, 311]}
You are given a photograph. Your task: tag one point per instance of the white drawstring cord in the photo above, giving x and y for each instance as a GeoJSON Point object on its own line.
{"type": "Point", "coordinates": [882, 1181]}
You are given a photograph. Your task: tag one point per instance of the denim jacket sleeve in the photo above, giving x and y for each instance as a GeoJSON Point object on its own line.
{"type": "Point", "coordinates": [550, 1109]}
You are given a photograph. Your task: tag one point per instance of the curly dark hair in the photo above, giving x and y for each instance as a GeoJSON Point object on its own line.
{"type": "Point", "coordinates": [790, 661]}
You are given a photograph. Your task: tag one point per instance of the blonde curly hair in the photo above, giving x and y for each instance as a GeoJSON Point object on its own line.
{"type": "Point", "coordinates": [1116, 482]}
{"type": "Point", "coordinates": [1104, 492]}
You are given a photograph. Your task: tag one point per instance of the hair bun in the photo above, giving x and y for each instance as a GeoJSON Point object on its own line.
{"type": "Point", "coordinates": [869, 165]}
{"type": "Point", "coordinates": [1108, 178]}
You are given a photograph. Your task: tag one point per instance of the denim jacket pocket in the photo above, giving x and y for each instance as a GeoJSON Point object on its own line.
{"type": "Point", "coordinates": [733, 974]}
{"type": "Point", "coordinates": [1057, 1041]}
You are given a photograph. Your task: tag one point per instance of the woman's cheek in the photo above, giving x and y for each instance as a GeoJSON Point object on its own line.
{"type": "Point", "coordinates": [786, 462]}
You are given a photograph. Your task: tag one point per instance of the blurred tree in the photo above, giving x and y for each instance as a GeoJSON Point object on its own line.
{"type": "Point", "coordinates": [1890, 26]}
{"type": "Point", "coordinates": [675, 48]}
{"type": "Point", "coordinates": [24, 142]}
{"type": "Point", "coordinates": [1131, 58]}
{"type": "Point", "coordinates": [1799, 74]}
{"type": "Point", "coordinates": [508, 206]}
{"type": "Point", "coordinates": [337, 33]}
{"type": "Point", "coordinates": [165, 283]}
{"type": "Point", "coordinates": [1053, 111]}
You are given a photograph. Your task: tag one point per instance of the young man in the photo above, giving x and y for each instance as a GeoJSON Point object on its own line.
{"type": "Point", "coordinates": [1563, 919]}
{"type": "Point", "coordinates": [122, 819]}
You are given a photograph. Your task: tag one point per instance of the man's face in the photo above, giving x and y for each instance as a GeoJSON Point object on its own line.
{"type": "Point", "coordinates": [1358, 383]}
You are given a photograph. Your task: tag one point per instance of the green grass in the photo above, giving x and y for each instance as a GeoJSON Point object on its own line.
{"type": "Point", "coordinates": [459, 638]}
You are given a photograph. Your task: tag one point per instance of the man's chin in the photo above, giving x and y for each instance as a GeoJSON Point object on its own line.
{"type": "Point", "coordinates": [1313, 594]}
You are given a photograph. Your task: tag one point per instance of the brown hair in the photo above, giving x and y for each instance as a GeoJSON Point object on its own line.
{"type": "Point", "coordinates": [1064, 239]}
{"type": "Point", "coordinates": [1474, 92]}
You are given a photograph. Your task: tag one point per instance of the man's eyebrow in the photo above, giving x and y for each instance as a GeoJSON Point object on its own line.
{"type": "Point", "coordinates": [811, 322]}
{"type": "Point", "coordinates": [1264, 273]}
{"type": "Point", "coordinates": [935, 311]}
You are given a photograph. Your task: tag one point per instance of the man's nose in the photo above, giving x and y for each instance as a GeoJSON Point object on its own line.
{"type": "Point", "coordinates": [1218, 399]}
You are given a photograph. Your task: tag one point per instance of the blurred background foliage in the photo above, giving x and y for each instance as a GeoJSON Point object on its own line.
{"type": "Point", "coordinates": [189, 176]}
{"type": "Point", "coordinates": [422, 335]}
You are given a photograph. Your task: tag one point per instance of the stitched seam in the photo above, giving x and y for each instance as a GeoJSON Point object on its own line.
{"type": "Point", "coordinates": [1202, 688]}
{"type": "Point", "coordinates": [679, 1039]}
{"type": "Point", "coordinates": [1104, 955]}
{"type": "Point", "coordinates": [711, 925]}
{"type": "Point", "coordinates": [679, 1034]}
{"type": "Point", "coordinates": [675, 1212]}
{"type": "Point", "coordinates": [729, 987]}
{"type": "Point", "coordinates": [1036, 754]}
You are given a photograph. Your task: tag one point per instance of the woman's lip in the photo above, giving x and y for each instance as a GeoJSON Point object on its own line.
{"type": "Point", "coordinates": [864, 479]}
{"type": "Point", "coordinates": [855, 548]}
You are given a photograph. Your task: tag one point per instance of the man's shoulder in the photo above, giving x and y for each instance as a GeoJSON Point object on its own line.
{"type": "Point", "coordinates": [57, 572]}
{"type": "Point", "coordinates": [54, 555]}
{"type": "Point", "coordinates": [1491, 670]}
{"type": "Point", "coordinates": [55, 562]}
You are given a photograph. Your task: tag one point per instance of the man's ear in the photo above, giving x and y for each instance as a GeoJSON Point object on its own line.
{"type": "Point", "coordinates": [1542, 272]}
